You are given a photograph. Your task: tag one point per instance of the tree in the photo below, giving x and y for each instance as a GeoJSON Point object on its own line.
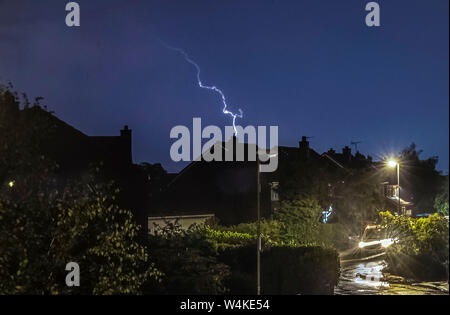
{"type": "Point", "coordinates": [359, 199]}
{"type": "Point", "coordinates": [441, 200]}
{"type": "Point", "coordinates": [156, 177]}
{"type": "Point", "coordinates": [421, 247]}
{"type": "Point", "coordinates": [300, 219]}
{"type": "Point", "coordinates": [48, 221]}
{"type": "Point", "coordinates": [188, 261]}
{"type": "Point", "coordinates": [420, 178]}
{"type": "Point", "coordinates": [354, 192]}
{"type": "Point", "coordinates": [42, 228]}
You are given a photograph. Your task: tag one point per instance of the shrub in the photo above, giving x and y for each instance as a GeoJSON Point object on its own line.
{"type": "Point", "coordinates": [304, 269]}
{"type": "Point", "coordinates": [300, 220]}
{"type": "Point", "coordinates": [43, 228]}
{"type": "Point", "coordinates": [335, 235]}
{"type": "Point", "coordinates": [284, 269]}
{"type": "Point", "coordinates": [421, 251]}
{"type": "Point", "coordinates": [203, 260]}
{"type": "Point", "coordinates": [188, 261]}
{"type": "Point", "coordinates": [222, 238]}
{"type": "Point", "coordinates": [270, 230]}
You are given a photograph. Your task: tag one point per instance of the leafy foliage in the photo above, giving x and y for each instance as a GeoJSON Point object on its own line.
{"type": "Point", "coordinates": [359, 199]}
{"type": "Point", "coordinates": [187, 259]}
{"type": "Point", "coordinates": [354, 193]}
{"type": "Point", "coordinates": [230, 237]}
{"type": "Point", "coordinates": [42, 229]}
{"type": "Point", "coordinates": [300, 220]}
{"type": "Point", "coordinates": [420, 178]}
{"type": "Point", "coordinates": [300, 269]}
{"type": "Point", "coordinates": [290, 228]}
{"type": "Point", "coordinates": [421, 249]}
{"type": "Point", "coordinates": [47, 221]}
{"type": "Point", "coordinates": [270, 232]}
{"type": "Point", "coordinates": [288, 266]}
{"type": "Point", "coordinates": [285, 269]}
{"type": "Point", "coordinates": [441, 200]}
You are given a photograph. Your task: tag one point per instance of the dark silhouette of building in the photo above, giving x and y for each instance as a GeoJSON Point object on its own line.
{"type": "Point", "coordinates": [227, 189]}
{"type": "Point", "coordinates": [76, 153]}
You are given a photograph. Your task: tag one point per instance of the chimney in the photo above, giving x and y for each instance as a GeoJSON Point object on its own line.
{"type": "Point", "coordinates": [304, 144]}
{"type": "Point", "coordinates": [125, 134]}
{"type": "Point", "coordinates": [304, 148]}
{"type": "Point", "coordinates": [347, 153]}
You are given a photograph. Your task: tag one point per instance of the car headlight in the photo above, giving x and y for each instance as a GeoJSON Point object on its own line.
{"type": "Point", "coordinates": [387, 242]}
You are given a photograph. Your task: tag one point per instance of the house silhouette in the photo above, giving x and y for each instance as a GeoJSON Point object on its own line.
{"type": "Point", "coordinates": [229, 188]}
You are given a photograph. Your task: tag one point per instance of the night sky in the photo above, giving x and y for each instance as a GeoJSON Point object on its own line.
{"type": "Point", "coordinates": [311, 67]}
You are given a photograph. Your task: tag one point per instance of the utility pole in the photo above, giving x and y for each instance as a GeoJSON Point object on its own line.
{"type": "Point", "coordinates": [258, 245]}
{"type": "Point", "coordinates": [392, 164]}
{"type": "Point", "coordinates": [398, 184]}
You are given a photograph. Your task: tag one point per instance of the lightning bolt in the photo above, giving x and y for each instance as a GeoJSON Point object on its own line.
{"type": "Point", "coordinates": [211, 88]}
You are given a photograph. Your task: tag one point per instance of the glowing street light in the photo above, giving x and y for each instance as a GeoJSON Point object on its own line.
{"type": "Point", "coordinates": [11, 184]}
{"type": "Point", "coordinates": [392, 164]}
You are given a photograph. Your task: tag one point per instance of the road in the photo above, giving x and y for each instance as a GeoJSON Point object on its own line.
{"type": "Point", "coordinates": [364, 277]}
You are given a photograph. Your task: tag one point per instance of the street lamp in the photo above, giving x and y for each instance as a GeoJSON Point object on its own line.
{"type": "Point", "coordinates": [393, 164]}
{"type": "Point", "coordinates": [258, 209]}
{"type": "Point", "coordinates": [258, 213]}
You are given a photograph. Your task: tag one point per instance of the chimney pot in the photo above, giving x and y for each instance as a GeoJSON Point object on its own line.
{"type": "Point", "coordinates": [125, 132]}
{"type": "Point", "coordinates": [347, 152]}
{"type": "Point", "coordinates": [304, 144]}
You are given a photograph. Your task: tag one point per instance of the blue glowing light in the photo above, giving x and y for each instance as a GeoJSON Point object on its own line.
{"type": "Point", "coordinates": [326, 214]}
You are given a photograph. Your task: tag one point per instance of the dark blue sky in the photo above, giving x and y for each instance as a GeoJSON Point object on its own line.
{"type": "Point", "coordinates": [311, 67]}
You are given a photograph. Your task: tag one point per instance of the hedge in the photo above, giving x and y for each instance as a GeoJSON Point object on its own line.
{"type": "Point", "coordinates": [284, 269]}
{"type": "Point", "coordinates": [207, 261]}
{"type": "Point", "coordinates": [421, 251]}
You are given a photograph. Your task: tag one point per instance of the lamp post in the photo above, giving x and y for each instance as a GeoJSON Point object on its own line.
{"type": "Point", "coordinates": [258, 245]}
{"type": "Point", "coordinates": [258, 209]}
{"type": "Point", "coordinates": [392, 164]}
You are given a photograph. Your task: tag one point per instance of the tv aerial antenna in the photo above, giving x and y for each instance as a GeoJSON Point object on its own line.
{"type": "Point", "coordinates": [355, 144]}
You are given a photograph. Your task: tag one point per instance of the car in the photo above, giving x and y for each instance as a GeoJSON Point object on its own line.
{"type": "Point", "coordinates": [374, 240]}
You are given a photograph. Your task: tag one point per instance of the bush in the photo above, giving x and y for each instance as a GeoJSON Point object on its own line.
{"type": "Point", "coordinates": [270, 230]}
{"type": "Point", "coordinates": [188, 261]}
{"type": "Point", "coordinates": [422, 251]}
{"type": "Point", "coordinates": [43, 228]}
{"type": "Point", "coordinates": [229, 238]}
{"type": "Point", "coordinates": [207, 261]}
{"type": "Point", "coordinates": [335, 235]}
{"type": "Point", "coordinates": [304, 269]}
{"type": "Point", "coordinates": [328, 235]}
{"type": "Point", "coordinates": [284, 269]}
{"type": "Point", "coordinates": [300, 220]}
